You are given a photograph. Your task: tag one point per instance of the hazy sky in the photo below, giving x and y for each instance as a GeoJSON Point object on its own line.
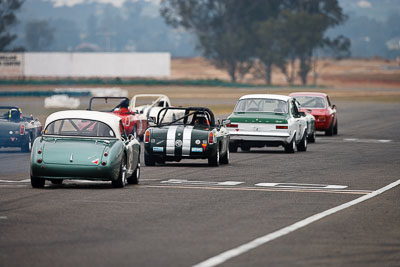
{"type": "Point", "coordinates": [117, 3]}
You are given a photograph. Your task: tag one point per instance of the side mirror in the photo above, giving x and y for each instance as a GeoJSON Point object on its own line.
{"type": "Point", "coordinates": [333, 106]}
{"type": "Point", "coordinates": [150, 119]}
{"type": "Point", "coordinates": [131, 136]}
{"type": "Point", "coordinates": [303, 114]}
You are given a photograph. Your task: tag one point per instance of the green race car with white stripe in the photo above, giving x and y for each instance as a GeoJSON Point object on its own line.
{"type": "Point", "coordinates": [193, 135]}
{"type": "Point", "coordinates": [261, 120]}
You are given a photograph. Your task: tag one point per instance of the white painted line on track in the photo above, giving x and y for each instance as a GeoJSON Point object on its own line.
{"type": "Point", "coordinates": [3, 217]}
{"type": "Point", "coordinates": [296, 185]}
{"type": "Point", "coordinates": [357, 140]}
{"type": "Point", "coordinates": [260, 189]}
{"type": "Point", "coordinates": [17, 181]}
{"type": "Point", "coordinates": [227, 255]}
{"type": "Point", "coordinates": [181, 181]}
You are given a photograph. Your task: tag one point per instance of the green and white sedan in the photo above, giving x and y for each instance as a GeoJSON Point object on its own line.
{"type": "Point", "coordinates": [87, 145]}
{"type": "Point", "coordinates": [261, 120]}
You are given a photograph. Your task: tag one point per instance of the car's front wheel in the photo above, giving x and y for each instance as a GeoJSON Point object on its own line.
{"type": "Point", "coordinates": [302, 146]}
{"type": "Point", "coordinates": [37, 182]}
{"type": "Point", "coordinates": [225, 158]}
{"type": "Point", "coordinates": [121, 180]}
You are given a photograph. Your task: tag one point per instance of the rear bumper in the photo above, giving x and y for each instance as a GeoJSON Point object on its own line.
{"type": "Point", "coordinates": [12, 141]}
{"type": "Point", "coordinates": [61, 171]}
{"type": "Point", "coordinates": [261, 136]}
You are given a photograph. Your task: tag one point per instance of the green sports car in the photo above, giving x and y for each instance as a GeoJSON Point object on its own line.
{"type": "Point", "coordinates": [192, 135]}
{"type": "Point", "coordinates": [87, 145]}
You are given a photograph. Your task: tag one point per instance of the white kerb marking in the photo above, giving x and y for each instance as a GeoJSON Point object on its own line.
{"type": "Point", "coordinates": [223, 257]}
{"type": "Point", "coordinates": [3, 217]}
{"type": "Point", "coordinates": [295, 185]}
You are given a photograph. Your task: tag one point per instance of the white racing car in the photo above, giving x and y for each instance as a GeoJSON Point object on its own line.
{"type": "Point", "coordinates": [267, 120]}
{"type": "Point", "coordinates": [139, 103]}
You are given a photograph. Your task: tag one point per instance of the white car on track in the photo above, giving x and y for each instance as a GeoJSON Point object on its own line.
{"type": "Point", "coordinates": [140, 104]}
{"type": "Point", "coordinates": [267, 120]}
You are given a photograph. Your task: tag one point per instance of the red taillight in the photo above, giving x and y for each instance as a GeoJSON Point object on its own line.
{"type": "Point", "coordinates": [105, 154]}
{"type": "Point", "coordinates": [147, 136]}
{"type": "Point", "coordinates": [39, 151]}
{"type": "Point", "coordinates": [321, 118]}
{"type": "Point", "coordinates": [230, 125]}
{"type": "Point", "coordinates": [211, 138]}
{"type": "Point", "coordinates": [39, 160]}
{"type": "Point", "coordinates": [22, 130]}
{"type": "Point", "coordinates": [281, 126]}
{"type": "Point", "coordinates": [103, 163]}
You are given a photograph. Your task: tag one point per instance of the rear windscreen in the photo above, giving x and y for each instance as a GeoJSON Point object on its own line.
{"type": "Point", "coordinates": [79, 127]}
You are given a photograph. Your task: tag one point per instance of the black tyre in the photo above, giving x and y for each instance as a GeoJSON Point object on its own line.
{"type": "Point", "coordinates": [27, 146]}
{"type": "Point", "coordinates": [121, 180]}
{"type": "Point", "coordinates": [56, 181]}
{"type": "Point", "coordinates": [291, 147]}
{"type": "Point", "coordinates": [233, 147]}
{"type": "Point", "coordinates": [225, 158]}
{"type": "Point", "coordinates": [245, 148]}
{"type": "Point", "coordinates": [312, 137]}
{"type": "Point", "coordinates": [329, 132]}
{"type": "Point", "coordinates": [302, 146]}
{"type": "Point", "coordinates": [335, 128]}
{"type": "Point", "coordinates": [37, 182]}
{"type": "Point", "coordinates": [148, 160]}
{"type": "Point", "coordinates": [213, 159]}
{"type": "Point", "coordinates": [134, 179]}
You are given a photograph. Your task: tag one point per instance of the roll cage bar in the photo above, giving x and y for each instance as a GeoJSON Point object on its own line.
{"type": "Point", "coordinates": [106, 98]}
{"type": "Point", "coordinates": [188, 112]}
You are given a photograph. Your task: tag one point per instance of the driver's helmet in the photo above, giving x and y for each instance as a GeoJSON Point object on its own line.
{"type": "Point", "coordinates": [124, 103]}
{"type": "Point", "coordinates": [14, 114]}
{"type": "Point", "coordinates": [200, 119]}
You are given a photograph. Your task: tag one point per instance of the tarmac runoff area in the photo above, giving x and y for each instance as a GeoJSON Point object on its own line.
{"type": "Point", "coordinates": [336, 204]}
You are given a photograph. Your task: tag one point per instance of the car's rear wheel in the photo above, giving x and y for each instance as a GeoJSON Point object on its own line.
{"type": "Point", "coordinates": [37, 182]}
{"type": "Point", "coordinates": [245, 148]}
{"type": "Point", "coordinates": [134, 179]}
{"type": "Point", "coordinates": [213, 159]}
{"type": "Point", "coordinates": [291, 147]}
{"type": "Point", "coordinates": [329, 132]}
{"type": "Point", "coordinates": [148, 160]}
{"type": "Point", "coordinates": [335, 128]}
{"type": "Point", "coordinates": [225, 158]}
{"type": "Point", "coordinates": [121, 180]}
{"type": "Point", "coordinates": [302, 146]}
{"type": "Point", "coordinates": [56, 181]}
{"type": "Point", "coordinates": [233, 147]}
{"type": "Point", "coordinates": [27, 146]}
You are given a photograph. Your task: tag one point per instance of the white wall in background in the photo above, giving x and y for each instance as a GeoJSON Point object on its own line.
{"type": "Point", "coordinates": [109, 65]}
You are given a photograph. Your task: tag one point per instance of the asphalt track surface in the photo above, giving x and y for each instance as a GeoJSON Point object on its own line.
{"type": "Point", "coordinates": [182, 215]}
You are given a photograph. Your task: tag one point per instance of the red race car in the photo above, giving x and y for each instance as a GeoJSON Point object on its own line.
{"type": "Point", "coordinates": [319, 105]}
{"type": "Point", "coordinates": [133, 121]}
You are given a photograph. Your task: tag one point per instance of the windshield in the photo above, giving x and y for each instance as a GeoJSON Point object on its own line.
{"type": "Point", "coordinates": [182, 117]}
{"type": "Point", "coordinates": [261, 105]}
{"type": "Point", "coordinates": [79, 127]}
{"type": "Point", "coordinates": [311, 101]}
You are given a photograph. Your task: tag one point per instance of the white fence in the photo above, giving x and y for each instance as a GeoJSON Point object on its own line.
{"type": "Point", "coordinates": [108, 65]}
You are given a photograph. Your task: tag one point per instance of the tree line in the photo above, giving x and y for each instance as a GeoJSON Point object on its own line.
{"type": "Point", "coordinates": [240, 35]}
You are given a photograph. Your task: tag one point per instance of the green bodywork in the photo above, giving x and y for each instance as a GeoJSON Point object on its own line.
{"type": "Point", "coordinates": [258, 117]}
{"type": "Point", "coordinates": [82, 158]}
